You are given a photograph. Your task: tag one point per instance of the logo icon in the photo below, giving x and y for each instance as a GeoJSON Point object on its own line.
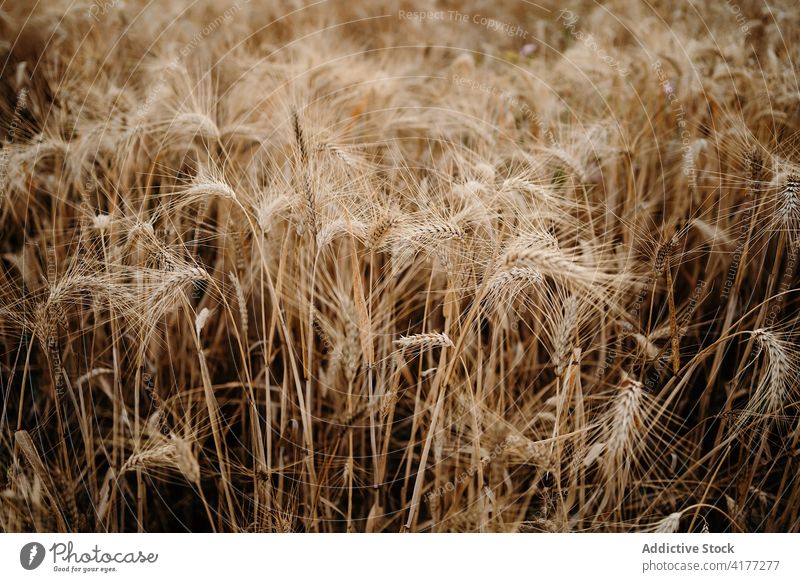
{"type": "Point", "coordinates": [31, 555]}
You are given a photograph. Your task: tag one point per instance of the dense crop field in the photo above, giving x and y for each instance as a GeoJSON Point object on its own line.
{"type": "Point", "coordinates": [399, 266]}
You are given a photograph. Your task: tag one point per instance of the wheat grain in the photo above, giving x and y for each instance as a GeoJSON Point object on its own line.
{"type": "Point", "coordinates": [424, 341]}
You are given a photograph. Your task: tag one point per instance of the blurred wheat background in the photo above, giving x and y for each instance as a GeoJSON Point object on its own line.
{"type": "Point", "coordinates": [404, 266]}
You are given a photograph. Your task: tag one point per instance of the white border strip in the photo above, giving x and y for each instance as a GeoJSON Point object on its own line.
{"type": "Point", "coordinates": [400, 557]}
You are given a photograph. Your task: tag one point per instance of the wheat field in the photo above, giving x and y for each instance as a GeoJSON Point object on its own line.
{"type": "Point", "coordinates": [345, 266]}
